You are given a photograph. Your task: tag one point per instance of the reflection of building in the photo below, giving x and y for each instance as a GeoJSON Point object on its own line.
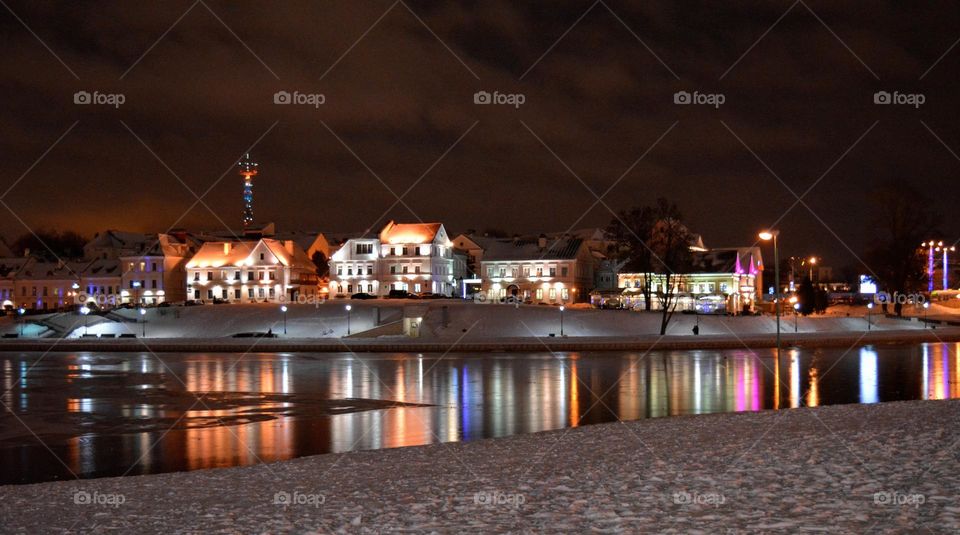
{"type": "Point", "coordinates": [251, 271]}
{"type": "Point", "coordinates": [413, 257]}
{"type": "Point", "coordinates": [724, 280]}
{"type": "Point", "coordinates": [537, 271]}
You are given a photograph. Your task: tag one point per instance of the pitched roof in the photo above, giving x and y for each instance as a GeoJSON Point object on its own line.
{"type": "Point", "coordinates": [724, 260]}
{"type": "Point", "coordinates": [409, 232]}
{"type": "Point", "coordinates": [233, 253]}
{"type": "Point", "coordinates": [527, 249]}
{"type": "Point", "coordinates": [103, 268]}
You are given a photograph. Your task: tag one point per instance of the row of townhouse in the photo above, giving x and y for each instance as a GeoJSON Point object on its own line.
{"type": "Point", "coordinates": [149, 269]}
{"type": "Point", "coordinates": [421, 258]}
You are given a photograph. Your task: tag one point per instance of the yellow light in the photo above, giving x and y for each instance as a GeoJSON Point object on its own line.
{"type": "Point", "coordinates": [766, 235]}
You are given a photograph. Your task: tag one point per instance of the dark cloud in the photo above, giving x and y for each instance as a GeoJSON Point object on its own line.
{"type": "Point", "coordinates": [399, 99]}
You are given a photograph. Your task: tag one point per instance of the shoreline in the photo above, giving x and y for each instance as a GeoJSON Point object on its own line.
{"type": "Point", "coordinates": [885, 467]}
{"type": "Point", "coordinates": [513, 344]}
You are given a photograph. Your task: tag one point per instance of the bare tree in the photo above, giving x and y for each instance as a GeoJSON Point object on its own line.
{"type": "Point", "coordinates": [671, 258]}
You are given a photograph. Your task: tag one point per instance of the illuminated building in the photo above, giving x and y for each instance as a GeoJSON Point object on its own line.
{"type": "Point", "coordinates": [413, 257]}
{"type": "Point", "coordinates": [725, 280]}
{"type": "Point", "coordinates": [251, 271]}
{"type": "Point", "coordinates": [41, 285]}
{"type": "Point", "coordinates": [248, 170]}
{"type": "Point", "coordinates": [541, 270]}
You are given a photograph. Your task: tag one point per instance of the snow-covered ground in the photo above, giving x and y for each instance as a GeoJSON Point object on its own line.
{"type": "Point", "coordinates": [445, 320]}
{"type": "Point", "coordinates": [884, 468]}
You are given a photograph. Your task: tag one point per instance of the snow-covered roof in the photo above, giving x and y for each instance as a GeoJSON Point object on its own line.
{"type": "Point", "coordinates": [237, 253]}
{"type": "Point", "coordinates": [410, 232]}
{"type": "Point", "coordinates": [529, 249]}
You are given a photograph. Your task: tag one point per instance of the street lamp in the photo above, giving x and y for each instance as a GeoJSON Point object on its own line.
{"type": "Point", "coordinates": [812, 261]}
{"type": "Point", "coordinates": [562, 308]}
{"type": "Point", "coordinates": [869, 314]}
{"type": "Point", "coordinates": [283, 308]}
{"type": "Point", "coordinates": [796, 316]}
{"type": "Point", "coordinates": [21, 311]}
{"type": "Point", "coordinates": [926, 305]}
{"type": "Point", "coordinates": [768, 235]}
{"type": "Point", "coordinates": [85, 311]}
{"type": "Point", "coordinates": [143, 314]}
{"type": "Point", "coordinates": [348, 307]}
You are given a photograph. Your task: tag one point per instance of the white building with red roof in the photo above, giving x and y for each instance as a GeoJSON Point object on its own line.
{"type": "Point", "coordinates": [251, 271]}
{"type": "Point", "coordinates": [412, 257]}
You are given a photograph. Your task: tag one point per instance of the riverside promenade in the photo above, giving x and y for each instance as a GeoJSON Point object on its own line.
{"type": "Point", "coordinates": [882, 468]}
{"type": "Point", "coordinates": [731, 340]}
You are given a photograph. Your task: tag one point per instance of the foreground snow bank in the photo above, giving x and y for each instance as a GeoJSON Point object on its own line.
{"type": "Point", "coordinates": [889, 467]}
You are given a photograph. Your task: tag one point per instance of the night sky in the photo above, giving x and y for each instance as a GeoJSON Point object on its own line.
{"type": "Point", "coordinates": [598, 80]}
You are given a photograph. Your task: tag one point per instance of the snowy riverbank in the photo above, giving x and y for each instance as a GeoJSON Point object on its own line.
{"type": "Point", "coordinates": [446, 324]}
{"type": "Point", "coordinates": [889, 467]}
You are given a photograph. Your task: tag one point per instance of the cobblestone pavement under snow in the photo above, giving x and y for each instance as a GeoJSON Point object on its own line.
{"type": "Point", "coordinates": [886, 468]}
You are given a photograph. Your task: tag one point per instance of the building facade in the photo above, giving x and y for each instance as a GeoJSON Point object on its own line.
{"type": "Point", "coordinates": [251, 271]}
{"type": "Point", "coordinates": [725, 280]}
{"type": "Point", "coordinates": [413, 257]}
{"type": "Point", "coordinates": [540, 271]}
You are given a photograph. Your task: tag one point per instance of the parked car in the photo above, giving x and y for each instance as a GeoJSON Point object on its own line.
{"type": "Point", "coordinates": [429, 295]}
{"type": "Point", "coordinates": [398, 294]}
{"type": "Point", "coordinates": [362, 295]}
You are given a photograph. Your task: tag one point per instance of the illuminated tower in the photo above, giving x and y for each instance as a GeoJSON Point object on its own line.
{"type": "Point", "coordinates": [248, 170]}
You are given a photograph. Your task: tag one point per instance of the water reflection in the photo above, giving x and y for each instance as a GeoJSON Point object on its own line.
{"type": "Point", "coordinates": [113, 414]}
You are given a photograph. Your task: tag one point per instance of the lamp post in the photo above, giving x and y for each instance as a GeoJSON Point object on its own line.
{"type": "Point", "coordinates": [349, 308]}
{"type": "Point", "coordinates": [75, 294]}
{"type": "Point", "coordinates": [21, 311]}
{"type": "Point", "coordinates": [562, 308]}
{"type": "Point", "coordinates": [143, 321]}
{"type": "Point", "coordinates": [869, 314]}
{"type": "Point", "coordinates": [283, 308]}
{"type": "Point", "coordinates": [85, 311]}
{"type": "Point", "coordinates": [768, 235]}
{"type": "Point", "coordinates": [796, 316]}
{"type": "Point", "coordinates": [926, 305]}
{"type": "Point", "coordinates": [812, 261]}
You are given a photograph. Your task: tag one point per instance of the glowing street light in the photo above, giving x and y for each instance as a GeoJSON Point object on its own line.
{"type": "Point", "coordinates": [562, 308]}
{"type": "Point", "coordinates": [143, 315]}
{"type": "Point", "coordinates": [768, 235]}
{"type": "Point", "coordinates": [349, 308]}
{"type": "Point", "coordinates": [869, 314]}
{"type": "Point", "coordinates": [796, 316]}
{"type": "Point", "coordinates": [926, 305]}
{"type": "Point", "coordinates": [283, 308]}
{"type": "Point", "coordinates": [21, 311]}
